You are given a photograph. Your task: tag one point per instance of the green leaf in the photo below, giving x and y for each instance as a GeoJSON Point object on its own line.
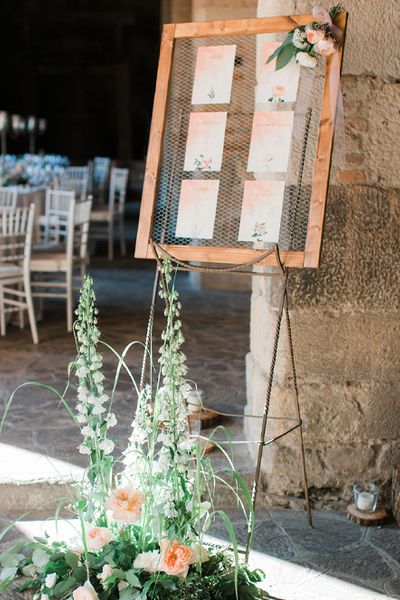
{"type": "Point", "coordinates": [8, 573]}
{"type": "Point", "coordinates": [133, 579]}
{"type": "Point", "coordinates": [71, 559]}
{"type": "Point", "coordinates": [129, 594]}
{"type": "Point", "coordinates": [285, 56]}
{"type": "Point", "coordinates": [65, 586]}
{"type": "Point", "coordinates": [274, 54]}
{"type": "Point", "coordinates": [80, 574]}
{"type": "Point", "coordinates": [39, 558]}
{"type": "Point", "coordinates": [7, 559]}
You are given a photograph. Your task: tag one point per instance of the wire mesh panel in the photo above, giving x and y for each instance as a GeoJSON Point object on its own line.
{"type": "Point", "coordinates": [234, 171]}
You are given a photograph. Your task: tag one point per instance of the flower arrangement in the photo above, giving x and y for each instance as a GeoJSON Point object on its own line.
{"type": "Point", "coordinates": [307, 42]}
{"type": "Point", "coordinates": [141, 531]}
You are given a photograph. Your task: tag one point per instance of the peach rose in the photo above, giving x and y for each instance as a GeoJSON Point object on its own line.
{"type": "Point", "coordinates": [326, 47]}
{"type": "Point", "coordinates": [176, 558]}
{"type": "Point", "coordinates": [85, 592]}
{"type": "Point", "coordinates": [126, 504]}
{"type": "Point", "coordinates": [315, 35]}
{"type": "Point", "coordinates": [97, 538]}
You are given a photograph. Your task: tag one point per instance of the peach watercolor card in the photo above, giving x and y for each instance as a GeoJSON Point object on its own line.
{"type": "Point", "coordinates": [213, 74]}
{"type": "Point", "coordinates": [197, 208]}
{"type": "Point", "coordinates": [205, 141]}
{"type": "Point", "coordinates": [261, 211]}
{"type": "Point", "coordinates": [271, 137]}
{"type": "Point", "coordinates": [275, 86]}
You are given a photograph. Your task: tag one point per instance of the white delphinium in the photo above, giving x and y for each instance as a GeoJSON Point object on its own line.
{"type": "Point", "coordinates": [173, 466]}
{"type": "Point", "coordinates": [299, 39]}
{"type": "Point", "coordinates": [92, 412]}
{"type": "Point", "coordinates": [134, 456]}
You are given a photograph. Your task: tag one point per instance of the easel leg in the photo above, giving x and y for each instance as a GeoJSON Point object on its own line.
{"type": "Point", "coordinates": [265, 414]}
{"type": "Point", "coordinates": [283, 307]}
{"type": "Point", "coordinates": [297, 409]}
{"type": "Point", "coordinates": [149, 332]}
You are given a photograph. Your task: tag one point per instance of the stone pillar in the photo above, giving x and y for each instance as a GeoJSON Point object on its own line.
{"type": "Point", "coordinates": [345, 316]}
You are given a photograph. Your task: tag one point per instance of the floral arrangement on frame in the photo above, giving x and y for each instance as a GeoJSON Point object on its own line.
{"type": "Point", "coordinates": [141, 532]}
{"type": "Point", "coordinates": [306, 42]}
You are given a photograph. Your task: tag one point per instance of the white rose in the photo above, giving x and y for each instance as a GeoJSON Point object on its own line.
{"type": "Point", "coordinates": [122, 585]}
{"type": "Point", "coordinates": [149, 561]}
{"type": "Point", "coordinates": [44, 597]}
{"type": "Point", "coordinates": [105, 574]}
{"type": "Point", "coordinates": [85, 592]}
{"type": "Point", "coordinates": [50, 580]}
{"type": "Point", "coordinates": [306, 60]}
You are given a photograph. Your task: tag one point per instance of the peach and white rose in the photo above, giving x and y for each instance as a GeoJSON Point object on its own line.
{"type": "Point", "coordinates": [326, 46]}
{"type": "Point", "coordinates": [315, 35]}
{"type": "Point", "coordinates": [85, 592]}
{"type": "Point", "coordinates": [126, 504]}
{"type": "Point", "coordinates": [176, 558]}
{"type": "Point", "coordinates": [97, 538]}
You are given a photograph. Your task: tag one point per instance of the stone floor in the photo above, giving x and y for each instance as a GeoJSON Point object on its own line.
{"type": "Point", "coordinates": [336, 560]}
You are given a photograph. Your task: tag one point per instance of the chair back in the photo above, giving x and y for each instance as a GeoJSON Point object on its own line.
{"type": "Point", "coordinates": [58, 215]}
{"type": "Point", "coordinates": [79, 243]}
{"type": "Point", "coordinates": [75, 179]}
{"type": "Point", "coordinates": [118, 185]}
{"type": "Point", "coordinates": [8, 197]}
{"type": "Point", "coordinates": [101, 169]}
{"type": "Point", "coordinates": [16, 227]}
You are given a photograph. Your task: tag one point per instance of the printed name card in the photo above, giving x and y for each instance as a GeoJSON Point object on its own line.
{"type": "Point", "coordinates": [275, 86]}
{"type": "Point", "coordinates": [213, 74]}
{"type": "Point", "coordinates": [270, 142]}
{"type": "Point", "coordinates": [261, 211]}
{"type": "Point", "coordinates": [197, 208]}
{"type": "Point", "coordinates": [205, 141]}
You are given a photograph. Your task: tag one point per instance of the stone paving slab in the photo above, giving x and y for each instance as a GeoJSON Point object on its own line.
{"type": "Point", "coordinates": [289, 553]}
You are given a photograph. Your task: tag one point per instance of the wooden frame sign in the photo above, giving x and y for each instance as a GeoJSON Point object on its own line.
{"type": "Point", "coordinates": [240, 152]}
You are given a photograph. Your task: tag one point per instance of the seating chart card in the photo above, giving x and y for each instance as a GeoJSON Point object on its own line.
{"type": "Point", "coordinates": [213, 74]}
{"type": "Point", "coordinates": [270, 142]}
{"type": "Point", "coordinates": [205, 141]}
{"type": "Point", "coordinates": [197, 208]}
{"type": "Point", "coordinates": [275, 86]}
{"type": "Point", "coordinates": [261, 211]}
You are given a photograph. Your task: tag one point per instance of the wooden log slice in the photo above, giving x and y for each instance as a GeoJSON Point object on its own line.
{"type": "Point", "coordinates": [380, 516]}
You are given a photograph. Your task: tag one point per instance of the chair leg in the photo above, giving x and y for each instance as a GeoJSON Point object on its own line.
{"type": "Point", "coordinates": [70, 301]}
{"type": "Point", "coordinates": [2, 313]}
{"type": "Point", "coordinates": [110, 240]}
{"type": "Point", "coordinates": [21, 310]}
{"type": "Point", "coordinates": [122, 235]}
{"type": "Point", "coordinates": [31, 311]}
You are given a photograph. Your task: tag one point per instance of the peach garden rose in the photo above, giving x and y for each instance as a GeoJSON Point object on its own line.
{"type": "Point", "coordinates": [97, 538]}
{"type": "Point", "coordinates": [326, 46]}
{"type": "Point", "coordinates": [315, 35]}
{"type": "Point", "coordinates": [176, 558]}
{"type": "Point", "coordinates": [85, 592]}
{"type": "Point", "coordinates": [125, 505]}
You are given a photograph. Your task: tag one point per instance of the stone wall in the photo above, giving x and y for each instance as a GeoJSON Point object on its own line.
{"type": "Point", "coordinates": [346, 319]}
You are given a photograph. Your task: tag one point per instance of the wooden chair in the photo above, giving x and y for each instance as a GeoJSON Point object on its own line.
{"type": "Point", "coordinates": [101, 175]}
{"type": "Point", "coordinates": [75, 179]}
{"type": "Point", "coordinates": [8, 197]}
{"type": "Point", "coordinates": [57, 203]}
{"type": "Point", "coordinates": [68, 224]}
{"type": "Point", "coordinates": [16, 227]}
{"type": "Point", "coordinates": [114, 211]}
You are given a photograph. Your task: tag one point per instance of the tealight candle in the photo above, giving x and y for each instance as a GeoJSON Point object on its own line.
{"type": "Point", "coordinates": [366, 497]}
{"type": "Point", "coordinates": [365, 501]}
